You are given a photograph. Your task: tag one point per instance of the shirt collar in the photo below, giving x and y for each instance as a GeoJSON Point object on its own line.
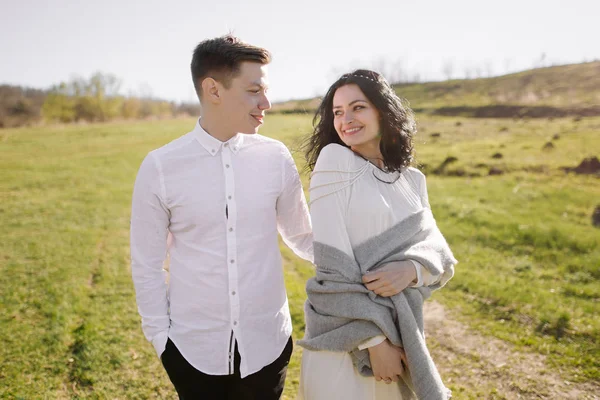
{"type": "Point", "coordinates": [212, 145]}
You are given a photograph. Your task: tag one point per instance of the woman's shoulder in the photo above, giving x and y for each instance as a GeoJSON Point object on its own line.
{"type": "Point", "coordinates": [415, 177]}
{"type": "Point", "coordinates": [335, 157]}
{"type": "Point", "coordinates": [415, 172]}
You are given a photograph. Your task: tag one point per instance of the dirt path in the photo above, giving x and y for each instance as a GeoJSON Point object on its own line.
{"type": "Point", "coordinates": [493, 368]}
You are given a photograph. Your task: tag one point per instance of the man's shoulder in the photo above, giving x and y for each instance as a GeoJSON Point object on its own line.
{"type": "Point", "coordinates": [257, 139]}
{"type": "Point", "coordinates": [266, 145]}
{"type": "Point", "coordinates": [179, 144]}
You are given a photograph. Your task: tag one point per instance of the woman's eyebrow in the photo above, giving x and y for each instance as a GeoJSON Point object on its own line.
{"type": "Point", "coordinates": [352, 102]}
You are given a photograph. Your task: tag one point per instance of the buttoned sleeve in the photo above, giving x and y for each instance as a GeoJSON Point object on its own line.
{"type": "Point", "coordinates": [148, 240]}
{"type": "Point", "coordinates": [293, 219]}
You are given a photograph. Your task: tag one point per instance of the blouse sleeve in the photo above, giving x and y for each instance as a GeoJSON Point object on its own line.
{"type": "Point", "coordinates": [329, 197]}
{"type": "Point", "coordinates": [421, 186]}
{"type": "Point", "coordinates": [424, 277]}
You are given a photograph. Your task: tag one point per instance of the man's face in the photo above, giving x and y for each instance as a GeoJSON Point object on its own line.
{"type": "Point", "coordinates": [245, 101]}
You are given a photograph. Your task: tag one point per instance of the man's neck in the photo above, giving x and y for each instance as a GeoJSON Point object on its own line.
{"type": "Point", "coordinates": [215, 129]}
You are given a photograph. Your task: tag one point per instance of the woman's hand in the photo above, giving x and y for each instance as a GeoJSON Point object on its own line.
{"type": "Point", "coordinates": [386, 361]}
{"type": "Point", "coordinates": [391, 279]}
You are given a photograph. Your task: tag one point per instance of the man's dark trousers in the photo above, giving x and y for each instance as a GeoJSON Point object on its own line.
{"type": "Point", "coordinates": [191, 384]}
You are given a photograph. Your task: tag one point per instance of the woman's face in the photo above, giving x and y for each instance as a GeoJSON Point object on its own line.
{"type": "Point", "coordinates": [355, 119]}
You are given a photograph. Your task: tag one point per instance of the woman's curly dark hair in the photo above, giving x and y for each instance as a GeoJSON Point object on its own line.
{"type": "Point", "coordinates": [397, 121]}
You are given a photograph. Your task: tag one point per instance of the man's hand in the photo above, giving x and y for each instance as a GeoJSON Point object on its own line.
{"type": "Point", "coordinates": [391, 279]}
{"type": "Point", "coordinates": [386, 361]}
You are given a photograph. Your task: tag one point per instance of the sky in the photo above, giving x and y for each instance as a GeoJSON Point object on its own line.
{"type": "Point", "coordinates": [148, 44]}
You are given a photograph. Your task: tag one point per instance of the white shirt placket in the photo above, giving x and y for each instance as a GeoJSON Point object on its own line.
{"type": "Point", "coordinates": [232, 261]}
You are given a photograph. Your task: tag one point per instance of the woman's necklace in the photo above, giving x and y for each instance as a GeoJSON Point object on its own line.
{"type": "Point", "coordinates": [384, 169]}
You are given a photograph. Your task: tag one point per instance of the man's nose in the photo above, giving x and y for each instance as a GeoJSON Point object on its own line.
{"type": "Point", "coordinates": [264, 103]}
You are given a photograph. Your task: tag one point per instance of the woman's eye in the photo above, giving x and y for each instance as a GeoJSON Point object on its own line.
{"type": "Point", "coordinates": [359, 107]}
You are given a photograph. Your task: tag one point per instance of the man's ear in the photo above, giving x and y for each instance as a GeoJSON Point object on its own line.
{"type": "Point", "coordinates": [211, 90]}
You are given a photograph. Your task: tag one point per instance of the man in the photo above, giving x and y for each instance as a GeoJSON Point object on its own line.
{"type": "Point", "coordinates": [223, 328]}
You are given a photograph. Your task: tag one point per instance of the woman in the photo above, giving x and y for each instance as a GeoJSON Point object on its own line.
{"type": "Point", "coordinates": [378, 251]}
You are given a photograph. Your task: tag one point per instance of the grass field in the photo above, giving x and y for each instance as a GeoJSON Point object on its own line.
{"type": "Point", "coordinates": [529, 256]}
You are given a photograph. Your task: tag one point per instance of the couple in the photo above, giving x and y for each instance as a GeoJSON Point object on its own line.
{"type": "Point", "coordinates": [221, 326]}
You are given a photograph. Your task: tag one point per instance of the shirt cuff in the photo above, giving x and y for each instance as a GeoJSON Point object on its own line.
{"type": "Point", "coordinates": [374, 341]}
{"type": "Point", "coordinates": [159, 341]}
{"type": "Point", "coordinates": [418, 269]}
{"type": "Point", "coordinates": [424, 277]}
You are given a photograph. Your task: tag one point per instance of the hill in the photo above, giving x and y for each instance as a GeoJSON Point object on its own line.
{"type": "Point", "coordinates": [566, 90]}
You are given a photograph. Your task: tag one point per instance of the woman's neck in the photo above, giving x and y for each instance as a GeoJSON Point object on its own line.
{"type": "Point", "coordinates": [370, 152]}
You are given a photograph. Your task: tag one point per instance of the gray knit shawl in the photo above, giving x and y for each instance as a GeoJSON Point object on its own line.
{"type": "Point", "coordinates": [341, 313]}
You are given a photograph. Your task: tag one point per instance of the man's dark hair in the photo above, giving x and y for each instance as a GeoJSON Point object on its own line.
{"type": "Point", "coordinates": [397, 121]}
{"type": "Point", "coordinates": [220, 59]}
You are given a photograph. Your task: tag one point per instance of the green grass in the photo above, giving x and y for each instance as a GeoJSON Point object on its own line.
{"type": "Point", "coordinates": [529, 257]}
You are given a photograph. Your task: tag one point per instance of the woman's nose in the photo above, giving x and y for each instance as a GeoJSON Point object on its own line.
{"type": "Point", "coordinates": [348, 118]}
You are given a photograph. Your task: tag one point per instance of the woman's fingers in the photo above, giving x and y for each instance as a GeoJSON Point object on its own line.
{"type": "Point", "coordinates": [370, 277]}
{"type": "Point", "coordinates": [404, 361]}
{"type": "Point", "coordinates": [376, 284]}
{"type": "Point", "coordinates": [390, 279]}
{"type": "Point", "coordinates": [386, 361]}
{"type": "Point", "coordinates": [389, 379]}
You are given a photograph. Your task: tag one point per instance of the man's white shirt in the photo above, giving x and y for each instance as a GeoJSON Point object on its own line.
{"type": "Point", "coordinates": [224, 203]}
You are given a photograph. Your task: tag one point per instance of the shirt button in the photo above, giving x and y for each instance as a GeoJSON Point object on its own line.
{"type": "Point", "coordinates": [232, 261]}
{"type": "Point", "coordinates": [235, 322]}
{"type": "Point", "coordinates": [226, 145]}
{"type": "Point", "coordinates": [230, 229]}
{"type": "Point", "coordinates": [226, 165]}
{"type": "Point", "coordinates": [229, 197]}
{"type": "Point", "coordinates": [233, 293]}
{"type": "Point", "coordinates": [212, 151]}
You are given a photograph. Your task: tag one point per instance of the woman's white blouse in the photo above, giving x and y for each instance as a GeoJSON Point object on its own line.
{"type": "Point", "coordinates": [350, 204]}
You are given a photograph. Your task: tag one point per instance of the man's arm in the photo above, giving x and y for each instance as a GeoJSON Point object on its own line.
{"type": "Point", "coordinates": [293, 218]}
{"type": "Point", "coordinates": [149, 229]}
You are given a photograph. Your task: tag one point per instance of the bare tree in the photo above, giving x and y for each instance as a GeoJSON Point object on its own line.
{"type": "Point", "coordinates": [539, 62]}
{"type": "Point", "coordinates": [382, 65]}
{"type": "Point", "coordinates": [448, 69]}
{"type": "Point", "coordinates": [145, 91]}
{"type": "Point", "coordinates": [489, 68]}
{"type": "Point", "coordinates": [468, 72]}
{"type": "Point", "coordinates": [397, 74]}
{"type": "Point", "coordinates": [507, 62]}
